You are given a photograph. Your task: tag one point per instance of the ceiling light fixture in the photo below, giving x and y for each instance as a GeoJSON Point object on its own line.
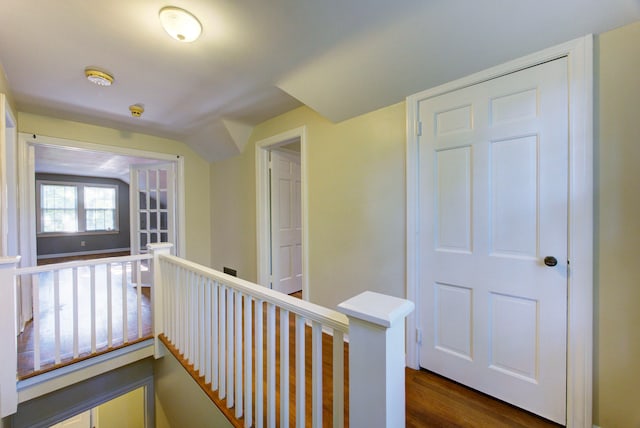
{"type": "Point", "coordinates": [180, 24]}
{"type": "Point", "coordinates": [100, 78]}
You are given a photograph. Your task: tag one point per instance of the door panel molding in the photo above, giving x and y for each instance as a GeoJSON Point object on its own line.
{"type": "Point", "coordinates": [579, 53]}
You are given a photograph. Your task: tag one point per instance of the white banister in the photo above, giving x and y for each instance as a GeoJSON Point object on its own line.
{"type": "Point", "coordinates": [376, 359]}
{"type": "Point", "coordinates": [253, 331]}
{"type": "Point", "coordinates": [8, 334]}
{"type": "Point", "coordinates": [157, 292]}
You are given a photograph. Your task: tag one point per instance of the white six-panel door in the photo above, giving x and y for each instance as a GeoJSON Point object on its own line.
{"type": "Point", "coordinates": [286, 224]}
{"type": "Point", "coordinates": [493, 193]}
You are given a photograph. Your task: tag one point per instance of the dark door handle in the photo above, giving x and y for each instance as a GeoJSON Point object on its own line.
{"type": "Point", "coordinates": [550, 261]}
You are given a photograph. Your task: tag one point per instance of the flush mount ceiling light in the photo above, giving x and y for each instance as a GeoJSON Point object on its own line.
{"type": "Point", "coordinates": [100, 78]}
{"type": "Point", "coordinates": [180, 24]}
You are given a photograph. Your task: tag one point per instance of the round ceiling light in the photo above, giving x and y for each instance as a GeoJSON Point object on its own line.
{"type": "Point", "coordinates": [98, 77]}
{"type": "Point", "coordinates": [180, 24]}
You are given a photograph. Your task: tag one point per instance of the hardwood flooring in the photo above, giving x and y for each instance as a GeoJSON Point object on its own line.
{"type": "Point", "coordinates": [47, 321]}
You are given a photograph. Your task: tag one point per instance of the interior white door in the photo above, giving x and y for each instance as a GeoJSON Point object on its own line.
{"type": "Point", "coordinates": [493, 204]}
{"type": "Point", "coordinates": [286, 225]}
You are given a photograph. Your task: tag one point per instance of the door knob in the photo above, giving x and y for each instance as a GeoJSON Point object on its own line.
{"type": "Point", "coordinates": [550, 261]}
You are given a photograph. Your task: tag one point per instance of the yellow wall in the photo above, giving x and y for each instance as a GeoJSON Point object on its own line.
{"type": "Point", "coordinates": [617, 273]}
{"type": "Point", "coordinates": [356, 203]}
{"type": "Point", "coordinates": [125, 411]}
{"type": "Point", "coordinates": [197, 191]}
{"type": "Point", "coordinates": [179, 400]}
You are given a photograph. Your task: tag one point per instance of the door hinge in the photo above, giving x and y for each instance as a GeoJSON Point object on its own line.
{"type": "Point", "coordinates": [419, 128]}
{"type": "Point", "coordinates": [419, 336]}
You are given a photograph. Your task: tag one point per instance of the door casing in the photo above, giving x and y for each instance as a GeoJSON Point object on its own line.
{"type": "Point", "coordinates": [262, 204]}
{"type": "Point", "coordinates": [579, 53]}
{"type": "Point", "coordinates": [26, 172]}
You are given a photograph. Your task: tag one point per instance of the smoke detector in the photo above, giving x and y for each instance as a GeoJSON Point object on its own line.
{"type": "Point", "coordinates": [98, 77]}
{"type": "Point", "coordinates": [136, 110]}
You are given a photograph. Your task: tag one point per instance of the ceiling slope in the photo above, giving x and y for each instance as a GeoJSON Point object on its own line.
{"type": "Point", "coordinates": [258, 59]}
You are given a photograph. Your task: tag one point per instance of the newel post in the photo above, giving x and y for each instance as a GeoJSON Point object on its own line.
{"type": "Point", "coordinates": [157, 293]}
{"type": "Point", "coordinates": [376, 359]}
{"type": "Point", "coordinates": [8, 334]}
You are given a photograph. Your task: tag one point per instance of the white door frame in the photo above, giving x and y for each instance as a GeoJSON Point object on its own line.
{"type": "Point", "coordinates": [262, 203]}
{"type": "Point", "coordinates": [7, 172]}
{"type": "Point", "coordinates": [579, 53]}
{"type": "Point", "coordinates": [26, 172]}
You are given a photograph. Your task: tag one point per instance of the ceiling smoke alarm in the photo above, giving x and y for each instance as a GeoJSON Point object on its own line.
{"type": "Point", "coordinates": [136, 110]}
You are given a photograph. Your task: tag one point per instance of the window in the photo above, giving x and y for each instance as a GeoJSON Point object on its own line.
{"type": "Point", "coordinates": [59, 208]}
{"type": "Point", "coordinates": [77, 208]}
{"type": "Point", "coordinates": [100, 208]}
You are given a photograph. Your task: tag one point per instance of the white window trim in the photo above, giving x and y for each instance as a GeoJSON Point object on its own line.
{"type": "Point", "coordinates": [80, 209]}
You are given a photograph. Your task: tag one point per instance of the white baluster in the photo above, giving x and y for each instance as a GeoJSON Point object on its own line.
{"type": "Point", "coordinates": [238, 354]}
{"type": "Point", "coordinates": [56, 314]}
{"type": "Point", "coordinates": [35, 290]}
{"type": "Point", "coordinates": [316, 374]}
{"type": "Point", "coordinates": [284, 368]}
{"type": "Point", "coordinates": [187, 316]}
{"type": "Point", "coordinates": [215, 340]}
{"type": "Point", "coordinates": [201, 327]}
{"type": "Point", "coordinates": [92, 270]}
{"type": "Point", "coordinates": [300, 372]}
{"type": "Point", "coordinates": [192, 317]}
{"type": "Point", "coordinates": [248, 360]}
{"type": "Point", "coordinates": [208, 331]}
{"type": "Point", "coordinates": [338, 379]}
{"type": "Point", "coordinates": [138, 267]}
{"type": "Point", "coordinates": [109, 306]}
{"type": "Point", "coordinates": [125, 321]}
{"type": "Point", "coordinates": [271, 365]}
{"type": "Point", "coordinates": [259, 333]}
{"type": "Point", "coordinates": [230, 384]}
{"type": "Point", "coordinates": [182, 319]}
{"type": "Point", "coordinates": [76, 309]}
{"type": "Point", "coordinates": [222, 391]}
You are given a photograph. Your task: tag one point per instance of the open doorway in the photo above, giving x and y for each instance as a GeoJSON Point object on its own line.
{"type": "Point", "coordinates": [281, 210]}
{"type": "Point", "coordinates": [148, 184]}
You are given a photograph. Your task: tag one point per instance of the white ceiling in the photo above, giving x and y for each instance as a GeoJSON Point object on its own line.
{"type": "Point", "coordinates": [257, 59]}
{"type": "Point", "coordinates": [71, 161]}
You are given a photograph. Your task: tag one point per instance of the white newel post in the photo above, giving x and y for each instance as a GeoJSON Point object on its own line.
{"type": "Point", "coordinates": [8, 334]}
{"type": "Point", "coordinates": [376, 359]}
{"type": "Point", "coordinates": [157, 293]}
